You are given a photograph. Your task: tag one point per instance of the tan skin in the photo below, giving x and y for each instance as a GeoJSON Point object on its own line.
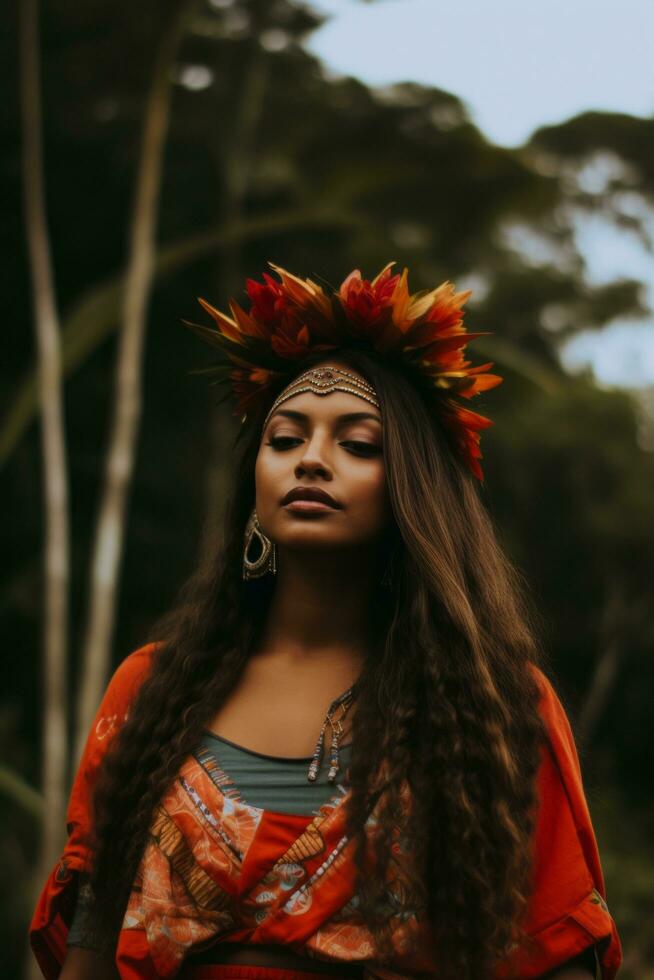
{"type": "Point", "coordinates": [316, 636]}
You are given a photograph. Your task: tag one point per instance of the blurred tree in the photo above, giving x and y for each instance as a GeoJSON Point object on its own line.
{"type": "Point", "coordinates": [54, 743]}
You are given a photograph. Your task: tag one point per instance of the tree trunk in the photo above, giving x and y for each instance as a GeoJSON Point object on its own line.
{"type": "Point", "coordinates": [54, 748]}
{"type": "Point", "coordinates": [110, 528]}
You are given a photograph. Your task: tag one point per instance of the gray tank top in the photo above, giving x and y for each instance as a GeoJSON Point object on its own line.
{"type": "Point", "coordinates": [276, 783]}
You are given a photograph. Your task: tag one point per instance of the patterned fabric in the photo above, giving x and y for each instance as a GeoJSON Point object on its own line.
{"type": "Point", "coordinates": [273, 783]}
{"type": "Point", "coordinates": [217, 870]}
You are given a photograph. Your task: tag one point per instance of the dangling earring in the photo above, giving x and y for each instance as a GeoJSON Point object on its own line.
{"type": "Point", "coordinates": [267, 560]}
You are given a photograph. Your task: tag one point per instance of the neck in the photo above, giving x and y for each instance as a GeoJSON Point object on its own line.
{"type": "Point", "coordinates": [321, 606]}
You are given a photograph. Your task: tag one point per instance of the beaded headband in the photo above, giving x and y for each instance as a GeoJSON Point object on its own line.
{"type": "Point", "coordinates": [293, 318]}
{"type": "Point", "coordinates": [322, 381]}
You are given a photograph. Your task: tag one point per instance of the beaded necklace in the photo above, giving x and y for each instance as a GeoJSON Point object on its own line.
{"type": "Point", "coordinates": [343, 701]}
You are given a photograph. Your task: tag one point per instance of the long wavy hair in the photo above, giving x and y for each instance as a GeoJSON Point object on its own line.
{"type": "Point", "coordinates": [447, 707]}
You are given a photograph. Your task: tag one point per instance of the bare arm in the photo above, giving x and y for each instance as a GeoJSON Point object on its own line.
{"type": "Point", "coordinates": [86, 964]}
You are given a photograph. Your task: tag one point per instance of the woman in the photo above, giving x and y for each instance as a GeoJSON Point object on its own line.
{"type": "Point", "coordinates": [438, 827]}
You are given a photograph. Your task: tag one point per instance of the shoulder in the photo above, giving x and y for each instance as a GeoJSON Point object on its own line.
{"type": "Point", "coordinates": [550, 706]}
{"type": "Point", "coordinates": [560, 781]}
{"type": "Point", "coordinates": [557, 722]}
{"type": "Point", "coordinates": [110, 715]}
{"type": "Point", "coordinates": [545, 685]}
{"type": "Point", "coordinates": [135, 667]}
{"type": "Point", "coordinates": [125, 683]}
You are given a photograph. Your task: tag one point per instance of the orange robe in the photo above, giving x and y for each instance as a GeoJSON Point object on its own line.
{"type": "Point", "coordinates": [216, 869]}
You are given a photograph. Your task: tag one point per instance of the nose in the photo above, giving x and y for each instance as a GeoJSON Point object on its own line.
{"type": "Point", "coordinates": [313, 460]}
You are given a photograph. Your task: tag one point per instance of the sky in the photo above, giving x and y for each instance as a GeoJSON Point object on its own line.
{"type": "Point", "coordinates": [518, 65]}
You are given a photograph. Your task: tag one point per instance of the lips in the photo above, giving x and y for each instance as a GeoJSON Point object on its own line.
{"type": "Point", "coordinates": [311, 493]}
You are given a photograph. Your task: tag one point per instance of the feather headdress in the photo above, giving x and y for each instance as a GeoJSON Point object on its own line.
{"type": "Point", "coordinates": [292, 318]}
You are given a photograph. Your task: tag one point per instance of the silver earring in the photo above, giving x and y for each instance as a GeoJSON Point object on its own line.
{"type": "Point", "coordinates": [267, 560]}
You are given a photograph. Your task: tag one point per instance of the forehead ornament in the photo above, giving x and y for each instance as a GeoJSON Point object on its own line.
{"type": "Point", "coordinates": [323, 381]}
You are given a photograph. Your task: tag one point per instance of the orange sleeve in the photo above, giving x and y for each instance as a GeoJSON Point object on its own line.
{"type": "Point", "coordinates": [56, 903]}
{"type": "Point", "coordinates": [567, 912]}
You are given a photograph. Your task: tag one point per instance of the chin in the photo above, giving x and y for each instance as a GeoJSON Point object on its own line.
{"type": "Point", "coordinates": [312, 532]}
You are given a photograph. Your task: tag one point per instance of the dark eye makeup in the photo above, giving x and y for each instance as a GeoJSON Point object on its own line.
{"type": "Point", "coordinates": [359, 447]}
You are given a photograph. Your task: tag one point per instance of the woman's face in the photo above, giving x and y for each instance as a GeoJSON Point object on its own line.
{"type": "Point", "coordinates": [331, 443]}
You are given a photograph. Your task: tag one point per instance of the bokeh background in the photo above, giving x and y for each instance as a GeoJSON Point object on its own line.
{"type": "Point", "coordinates": [157, 152]}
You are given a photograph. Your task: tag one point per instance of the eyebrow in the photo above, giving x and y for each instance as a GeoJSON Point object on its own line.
{"type": "Point", "coordinates": [347, 417]}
